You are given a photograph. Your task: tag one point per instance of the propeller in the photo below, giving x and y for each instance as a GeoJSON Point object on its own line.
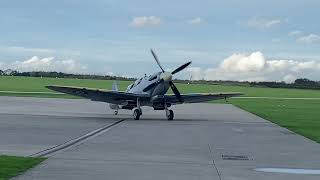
{"type": "Point", "coordinates": [181, 67]}
{"type": "Point", "coordinates": [156, 58]}
{"type": "Point", "coordinates": [167, 77]}
{"type": "Point", "coordinates": [175, 91]}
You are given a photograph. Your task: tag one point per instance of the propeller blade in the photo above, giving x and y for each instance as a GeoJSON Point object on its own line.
{"type": "Point", "coordinates": [175, 91]}
{"type": "Point", "coordinates": [156, 58]}
{"type": "Point", "coordinates": [181, 67]}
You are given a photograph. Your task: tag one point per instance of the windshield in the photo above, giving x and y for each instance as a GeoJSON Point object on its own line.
{"type": "Point", "coordinates": [129, 87]}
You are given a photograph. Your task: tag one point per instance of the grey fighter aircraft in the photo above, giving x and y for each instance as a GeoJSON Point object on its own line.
{"type": "Point", "coordinates": [146, 91]}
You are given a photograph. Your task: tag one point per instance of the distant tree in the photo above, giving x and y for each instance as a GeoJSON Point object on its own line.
{"type": "Point", "coordinates": [305, 82]}
{"type": "Point", "coordinates": [14, 73]}
{"type": "Point", "coordinates": [1, 72]}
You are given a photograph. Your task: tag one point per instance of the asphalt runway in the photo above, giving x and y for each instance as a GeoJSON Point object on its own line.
{"type": "Point", "coordinates": [205, 141]}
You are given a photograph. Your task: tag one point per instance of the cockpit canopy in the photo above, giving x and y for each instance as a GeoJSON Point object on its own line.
{"type": "Point", "coordinates": [149, 78]}
{"type": "Point", "coordinates": [129, 87]}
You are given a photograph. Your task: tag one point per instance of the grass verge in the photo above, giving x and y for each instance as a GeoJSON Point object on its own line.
{"type": "Point", "coordinates": [11, 166]}
{"type": "Point", "coordinates": [300, 116]}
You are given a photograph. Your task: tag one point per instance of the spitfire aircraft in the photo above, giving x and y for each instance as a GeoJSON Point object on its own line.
{"type": "Point", "coordinates": [146, 91]}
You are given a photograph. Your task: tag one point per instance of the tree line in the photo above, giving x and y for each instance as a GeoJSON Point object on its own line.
{"type": "Point", "coordinates": [61, 75]}
{"type": "Point", "coordinates": [301, 83]}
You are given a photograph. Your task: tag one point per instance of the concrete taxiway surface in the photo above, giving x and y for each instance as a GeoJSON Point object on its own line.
{"type": "Point", "coordinates": [205, 141]}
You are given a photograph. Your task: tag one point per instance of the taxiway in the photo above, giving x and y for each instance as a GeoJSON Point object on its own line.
{"type": "Point", "coordinates": [205, 141]}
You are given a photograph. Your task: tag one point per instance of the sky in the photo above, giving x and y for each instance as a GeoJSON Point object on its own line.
{"type": "Point", "coordinates": [274, 40]}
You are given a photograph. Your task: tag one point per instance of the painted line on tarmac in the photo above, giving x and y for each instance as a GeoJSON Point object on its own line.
{"type": "Point", "coordinates": [21, 92]}
{"type": "Point", "coordinates": [289, 98]}
{"type": "Point", "coordinates": [75, 142]}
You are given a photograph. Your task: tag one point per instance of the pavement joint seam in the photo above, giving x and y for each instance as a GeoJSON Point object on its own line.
{"type": "Point", "coordinates": [76, 141]}
{"type": "Point", "coordinates": [214, 164]}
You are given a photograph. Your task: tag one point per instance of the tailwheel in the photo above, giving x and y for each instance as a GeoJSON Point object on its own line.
{"type": "Point", "coordinates": [116, 112]}
{"type": "Point", "coordinates": [136, 114]}
{"type": "Point", "coordinates": [170, 115]}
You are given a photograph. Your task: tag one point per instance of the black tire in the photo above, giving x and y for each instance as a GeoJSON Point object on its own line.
{"type": "Point", "coordinates": [136, 114]}
{"type": "Point", "coordinates": [170, 115]}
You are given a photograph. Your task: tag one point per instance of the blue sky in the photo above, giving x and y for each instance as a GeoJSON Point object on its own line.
{"type": "Point", "coordinates": [114, 36]}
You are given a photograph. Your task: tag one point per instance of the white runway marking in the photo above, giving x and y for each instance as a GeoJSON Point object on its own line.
{"type": "Point", "coordinates": [289, 170]}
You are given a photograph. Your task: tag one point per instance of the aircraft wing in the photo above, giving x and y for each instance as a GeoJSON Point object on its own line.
{"type": "Point", "coordinates": [114, 97]}
{"type": "Point", "coordinates": [199, 97]}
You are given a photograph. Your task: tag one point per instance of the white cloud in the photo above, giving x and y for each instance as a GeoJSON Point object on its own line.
{"type": "Point", "coordinates": [19, 49]}
{"type": "Point", "coordinates": [195, 21]}
{"type": "Point", "coordinates": [46, 64]}
{"type": "Point", "coordinates": [242, 63]}
{"type": "Point", "coordinates": [196, 73]}
{"type": "Point", "coordinates": [275, 40]}
{"type": "Point", "coordinates": [311, 38]}
{"type": "Point", "coordinates": [260, 23]}
{"type": "Point", "coordinates": [145, 21]}
{"type": "Point", "coordinates": [255, 67]}
{"type": "Point", "coordinates": [295, 33]}
{"type": "Point", "coordinates": [189, 53]}
{"type": "Point", "coordinates": [289, 78]}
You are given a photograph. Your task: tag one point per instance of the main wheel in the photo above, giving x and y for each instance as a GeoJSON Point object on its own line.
{"type": "Point", "coordinates": [170, 115]}
{"type": "Point", "coordinates": [136, 114]}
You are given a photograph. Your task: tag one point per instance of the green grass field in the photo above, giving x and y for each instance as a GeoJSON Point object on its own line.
{"type": "Point", "coordinates": [301, 116]}
{"type": "Point", "coordinates": [11, 166]}
{"type": "Point", "coordinates": [32, 84]}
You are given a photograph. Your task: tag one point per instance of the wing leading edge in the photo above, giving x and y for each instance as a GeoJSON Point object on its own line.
{"type": "Point", "coordinates": [119, 97]}
{"type": "Point", "coordinates": [114, 97]}
{"type": "Point", "coordinates": [200, 97]}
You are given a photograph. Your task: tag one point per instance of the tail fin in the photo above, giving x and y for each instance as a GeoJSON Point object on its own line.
{"type": "Point", "coordinates": [115, 86]}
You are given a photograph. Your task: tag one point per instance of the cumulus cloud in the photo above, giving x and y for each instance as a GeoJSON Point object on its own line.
{"type": "Point", "coordinates": [145, 21]}
{"type": "Point", "coordinates": [289, 78]}
{"type": "Point", "coordinates": [311, 38]}
{"type": "Point", "coordinates": [261, 23]}
{"type": "Point", "coordinates": [242, 63]}
{"type": "Point", "coordinates": [31, 50]}
{"type": "Point", "coordinates": [196, 73]}
{"type": "Point", "coordinates": [46, 64]}
{"type": "Point", "coordinates": [255, 67]}
{"type": "Point", "coordinates": [275, 40]}
{"type": "Point", "coordinates": [295, 33]}
{"type": "Point", "coordinates": [195, 21]}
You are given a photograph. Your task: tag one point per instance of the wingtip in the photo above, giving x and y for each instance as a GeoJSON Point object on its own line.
{"type": "Point", "coordinates": [50, 87]}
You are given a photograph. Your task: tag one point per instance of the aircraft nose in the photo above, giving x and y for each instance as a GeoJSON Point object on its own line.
{"type": "Point", "coordinates": [166, 76]}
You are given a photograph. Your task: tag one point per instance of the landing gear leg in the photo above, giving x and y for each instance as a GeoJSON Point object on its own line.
{"type": "Point", "coordinates": [169, 113]}
{"type": "Point", "coordinates": [137, 112]}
